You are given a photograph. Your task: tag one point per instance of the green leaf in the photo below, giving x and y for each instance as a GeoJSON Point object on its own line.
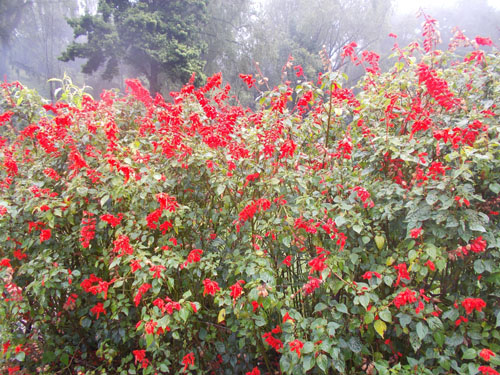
{"type": "Point", "coordinates": [308, 362]}
{"type": "Point", "coordinates": [220, 189]}
{"type": "Point", "coordinates": [342, 308]}
{"type": "Point", "coordinates": [495, 187]}
{"type": "Point", "coordinates": [20, 356]}
{"type": "Point", "coordinates": [415, 341]}
{"type": "Point", "coordinates": [308, 347]}
{"type": "Point", "coordinates": [439, 338]}
{"type": "Point", "coordinates": [475, 226]}
{"type": "Point", "coordinates": [64, 358]}
{"type": "Point", "coordinates": [184, 314]}
{"type": "Point", "coordinates": [355, 344]}
{"type": "Point", "coordinates": [149, 340]}
{"type": "Point", "coordinates": [364, 300]}
{"type": "Point", "coordinates": [434, 323]}
{"type": "Point", "coordinates": [322, 362]}
{"type": "Point", "coordinates": [469, 354]}
{"type": "Point", "coordinates": [285, 363]}
{"type": "Point", "coordinates": [320, 307]}
{"type": "Point", "coordinates": [369, 317]}
{"type": "Point", "coordinates": [380, 327]}
{"type": "Point", "coordinates": [104, 200]}
{"type": "Point", "coordinates": [422, 330]}
{"type": "Point", "coordinates": [385, 315]}
{"type": "Point", "coordinates": [82, 190]}
{"type": "Point", "coordinates": [340, 220]}
{"type": "Point", "coordinates": [404, 319]}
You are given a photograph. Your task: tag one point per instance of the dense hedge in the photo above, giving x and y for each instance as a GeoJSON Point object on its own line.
{"type": "Point", "coordinates": [324, 232]}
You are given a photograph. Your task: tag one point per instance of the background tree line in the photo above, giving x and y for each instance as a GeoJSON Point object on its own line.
{"type": "Point", "coordinates": [100, 42]}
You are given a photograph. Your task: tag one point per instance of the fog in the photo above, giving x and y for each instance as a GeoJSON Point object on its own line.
{"type": "Point", "coordinates": [234, 35]}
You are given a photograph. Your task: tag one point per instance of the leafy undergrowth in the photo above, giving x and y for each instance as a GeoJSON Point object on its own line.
{"type": "Point", "coordinates": [324, 232]}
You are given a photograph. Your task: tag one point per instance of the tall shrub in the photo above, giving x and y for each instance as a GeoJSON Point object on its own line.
{"type": "Point", "coordinates": [325, 232]}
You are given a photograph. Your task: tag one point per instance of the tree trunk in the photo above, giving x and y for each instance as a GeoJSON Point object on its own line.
{"type": "Point", "coordinates": [154, 84]}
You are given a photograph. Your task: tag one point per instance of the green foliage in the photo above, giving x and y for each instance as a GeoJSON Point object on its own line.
{"type": "Point", "coordinates": [157, 39]}
{"type": "Point", "coordinates": [326, 232]}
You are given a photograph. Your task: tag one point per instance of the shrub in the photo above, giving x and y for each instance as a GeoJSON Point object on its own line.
{"type": "Point", "coordinates": [324, 232]}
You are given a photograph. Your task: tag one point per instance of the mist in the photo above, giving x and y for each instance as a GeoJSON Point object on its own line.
{"type": "Point", "coordinates": [35, 33]}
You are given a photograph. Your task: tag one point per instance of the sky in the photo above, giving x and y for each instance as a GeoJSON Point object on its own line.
{"type": "Point", "coordinates": [412, 6]}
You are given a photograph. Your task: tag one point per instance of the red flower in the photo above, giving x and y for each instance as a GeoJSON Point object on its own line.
{"type": "Point", "coordinates": [154, 217]}
{"type": "Point", "coordinates": [402, 273]}
{"type": "Point", "coordinates": [273, 341]}
{"type": "Point", "coordinates": [483, 41]}
{"type": "Point", "coordinates": [45, 235]}
{"type": "Point", "coordinates": [150, 327]}
{"type": "Point", "coordinates": [87, 233]}
{"type": "Point", "coordinates": [193, 257]}
{"type": "Point", "coordinates": [368, 275]}
{"type": "Point", "coordinates": [142, 289]}
{"type": "Point", "coordinates": [4, 117]}
{"type": "Point", "coordinates": [431, 265]}
{"type": "Point", "coordinates": [287, 261]}
{"type": "Point", "coordinates": [298, 70]}
{"type": "Point", "coordinates": [256, 305]}
{"type": "Point", "coordinates": [211, 287]}
{"type": "Point", "coordinates": [193, 306]}
{"type": "Point", "coordinates": [122, 246]}
{"type": "Point", "coordinates": [255, 371]}
{"type": "Point", "coordinates": [111, 219]}
{"type": "Point", "coordinates": [6, 346]}
{"type": "Point", "coordinates": [188, 360]}
{"type": "Point", "coordinates": [135, 265]}
{"type": "Point", "coordinates": [295, 346]}
{"type": "Point", "coordinates": [415, 233]}
{"type": "Point", "coordinates": [287, 317]}
{"type": "Point", "coordinates": [478, 245]}
{"type": "Point", "coordinates": [460, 320]}
{"type": "Point", "coordinates": [471, 304]}
{"type": "Point", "coordinates": [140, 356]}
{"type": "Point", "coordinates": [165, 227]}
{"type": "Point", "coordinates": [312, 285]}
{"type": "Point", "coordinates": [157, 271]}
{"type": "Point", "coordinates": [19, 254]}
{"type": "Point", "coordinates": [405, 297]}
{"type": "Point", "coordinates": [248, 79]}
{"type": "Point", "coordinates": [5, 262]}
{"type": "Point", "coordinates": [167, 202]}
{"type": "Point", "coordinates": [236, 289]}
{"type": "Point", "coordinates": [349, 51]}
{"type": "Point", "coordinates": [486, 370]}
{"type": "Point", "coordinates": [97, 309]}
{"type": "Point", "coordinates": [486, 354]}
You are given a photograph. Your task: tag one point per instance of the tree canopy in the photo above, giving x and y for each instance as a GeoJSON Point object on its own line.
{"type": "Point", "coordinates": [157, 39]}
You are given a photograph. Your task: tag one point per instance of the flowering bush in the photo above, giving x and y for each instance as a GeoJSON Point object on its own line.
{"type": "Point", "coordinates": [324, 232]}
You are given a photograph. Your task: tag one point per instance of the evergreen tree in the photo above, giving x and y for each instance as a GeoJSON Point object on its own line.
{"type": "Point", "coordinates": [157, 39]}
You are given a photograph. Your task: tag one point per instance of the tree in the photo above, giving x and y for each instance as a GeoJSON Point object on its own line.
{"type": "Point", "coordinates": [228, 32]}
{"type": "Point", "coordinates": [157, 39]}
{"type": "Point", "coordinates": [40, 35]}
{"type": "Point", "coordinates": [303, 28]}
{"type": "Point", "coordinates": [10, 13]}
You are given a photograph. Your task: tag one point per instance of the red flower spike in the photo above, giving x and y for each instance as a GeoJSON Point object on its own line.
{"type": "Point", "coordinates": [296, 346]}
{"type": "Point", "coordinates": [211, 287]}
{"type": "Point", "coordinates": [255, 371]}
{"type": "Point", "coordinates": [486, 354]}
{"type": "Point", "coordinates": [188, 360]}
{"type": "Point", "coordinates": [486, 370]}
